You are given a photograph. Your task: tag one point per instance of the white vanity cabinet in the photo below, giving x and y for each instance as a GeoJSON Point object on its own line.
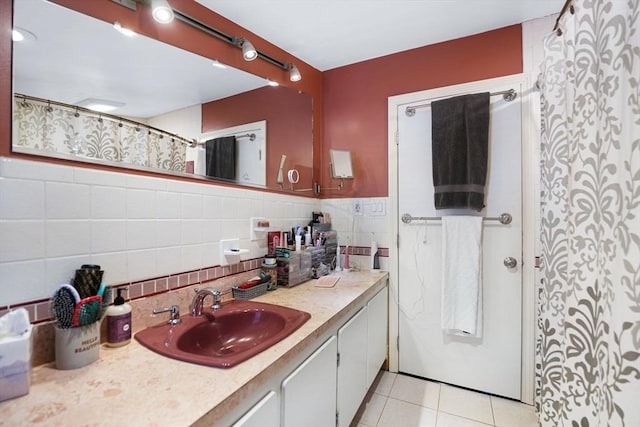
{"type": "Point", "coordinates": [265, 413]}
{"type": "Point", "coordinates": [352, 366]}
{"type": "Point", "coordinates": [309, 392]}
{"type": "Point", "coordinates": [377, 331]}
{"type": "Point", "coordinates": [326, 388]}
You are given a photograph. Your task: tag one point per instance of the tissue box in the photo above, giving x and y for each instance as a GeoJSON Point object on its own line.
{"type": "Point", "coordinates": [15, 365]}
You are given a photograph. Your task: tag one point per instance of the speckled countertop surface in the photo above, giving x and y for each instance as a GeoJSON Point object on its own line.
{"type": "Point", "coordinates": [132, 385]}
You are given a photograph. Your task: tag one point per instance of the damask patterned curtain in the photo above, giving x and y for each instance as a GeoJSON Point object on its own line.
{"type": "Point", "coordinates": [588, 341]}
{"type": "Point", "coordinates": [56, 129]}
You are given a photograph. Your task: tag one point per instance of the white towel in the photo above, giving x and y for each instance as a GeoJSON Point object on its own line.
{"type": "Point", "coordinates": [462, 275]}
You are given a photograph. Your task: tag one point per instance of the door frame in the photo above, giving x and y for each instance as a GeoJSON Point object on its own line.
{"type": "Point", "coordinates": [530, 234]}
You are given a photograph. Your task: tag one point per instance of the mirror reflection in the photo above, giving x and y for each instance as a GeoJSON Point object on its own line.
{"type": "Point", "coordinates": [168, 103]}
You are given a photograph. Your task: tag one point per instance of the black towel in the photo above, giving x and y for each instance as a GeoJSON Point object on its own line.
{"type": "Point", "coordinates": [221, 157]}
{"type": "Point", "coordinates": [459, 146]}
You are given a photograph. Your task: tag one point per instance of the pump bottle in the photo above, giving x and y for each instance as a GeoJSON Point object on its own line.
{"type": "Point", "coordinates": [118, 317]}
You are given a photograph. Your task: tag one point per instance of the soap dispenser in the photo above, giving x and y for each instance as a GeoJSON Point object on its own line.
{"type": "Point", "coordinates": [118, 322]}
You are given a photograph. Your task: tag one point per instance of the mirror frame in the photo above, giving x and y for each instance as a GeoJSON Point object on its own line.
{"type": "Point", "coordinates": [180, 35]}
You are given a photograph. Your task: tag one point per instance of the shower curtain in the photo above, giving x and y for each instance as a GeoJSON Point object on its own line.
{"type": "Point", "coordinates": [63, 130]}
{"type": "Point", "coordinates": [588, 309]}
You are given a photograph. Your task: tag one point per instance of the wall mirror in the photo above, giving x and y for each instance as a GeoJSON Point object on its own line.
{"type": "Point", "coordinates": [72, 57]}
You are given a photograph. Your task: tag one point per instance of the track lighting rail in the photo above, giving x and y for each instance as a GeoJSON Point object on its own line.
{"type": "Point", "coordinates": [235, 41]}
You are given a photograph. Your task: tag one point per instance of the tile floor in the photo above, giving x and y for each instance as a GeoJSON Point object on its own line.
{"type": "Point", "coordinates": [402, 401]}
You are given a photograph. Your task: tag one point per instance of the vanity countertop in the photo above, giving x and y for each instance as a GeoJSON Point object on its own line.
{"type": "Point", "coordinates": [132, 385]}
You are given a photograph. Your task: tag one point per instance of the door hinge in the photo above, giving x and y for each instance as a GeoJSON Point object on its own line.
{"type": "Point", "coordinates": [338, 359]}
{"type": "Point", "coordinates": [337, 419]}
{"type": "Point", "coordinates": [398, 343]}
{"type": "Point", "coordinates": [398, 241]}
{"type": "Point", "coordinates": [397, 138]}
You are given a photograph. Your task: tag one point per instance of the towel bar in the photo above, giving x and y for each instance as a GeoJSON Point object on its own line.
{"type": "Point", "coordinates": [504, 218]}
{"type": "Point", "coordinates": [508, 95]}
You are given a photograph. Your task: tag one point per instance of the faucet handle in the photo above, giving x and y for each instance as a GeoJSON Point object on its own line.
{"type": "Point", "coordinates": [175, 314]}
{"type": "Point", "coordinates": [217, 298]}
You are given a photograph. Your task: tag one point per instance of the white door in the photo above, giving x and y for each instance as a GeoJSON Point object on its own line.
{"type": "Point", "coordinates": [492, 363]}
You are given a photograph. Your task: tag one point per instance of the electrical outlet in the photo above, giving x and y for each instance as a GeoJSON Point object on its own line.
{"type": "Point", "coordinates": [357, 207]}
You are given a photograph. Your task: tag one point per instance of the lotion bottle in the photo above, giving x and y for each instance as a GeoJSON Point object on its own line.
{"type": "Point", "coordinates": [375, 262]}
{"type": "Point", "coordinates": [118, 318]}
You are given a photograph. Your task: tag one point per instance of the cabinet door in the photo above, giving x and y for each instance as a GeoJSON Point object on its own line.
{"type": "Point", "coordinates": [265, 413]}
{"type": "Point", "coordinates": [352, 367]}
{"type": "Point", "coordinates": [309, 393]}
{"type": "Point", "coordinates": [377, 334]}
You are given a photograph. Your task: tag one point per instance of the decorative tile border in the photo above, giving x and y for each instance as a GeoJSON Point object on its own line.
{"type": "Point", "coordinates": [365, 251]}
{"type": "Point", "coordinates": [39, 310]}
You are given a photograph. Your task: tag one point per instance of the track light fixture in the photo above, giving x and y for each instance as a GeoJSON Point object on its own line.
{"type": "Point", "coordinates": [249, 52]}
{"type": "Point", "coordinates": [294, 73]}
{"type": "Point", "coordinates": [161, 11]}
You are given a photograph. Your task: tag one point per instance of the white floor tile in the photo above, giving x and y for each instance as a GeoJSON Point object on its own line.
{"type": "Point", "coordinates": [383, 383]}
{"type": "Point", "coordinates": [465, 403]}
{"type": "Point", "coordinates": [370, 412]}
{"type": "Point", "coordinates": [448, 420]}
{"type": "Point", "coordinates": [416, 391]}
{"type": "Point", "coordinates": [508, 413]}
{"type": "Point", "coordinates": [398, 413]}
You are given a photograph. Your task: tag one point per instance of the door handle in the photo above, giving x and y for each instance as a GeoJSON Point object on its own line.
{"type": "Point", "coordinates": [510, 262]}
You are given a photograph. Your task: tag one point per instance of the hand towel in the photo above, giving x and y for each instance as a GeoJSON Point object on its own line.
{"type": "Point", "coordinates": [221, 157]}
{"type": "Point", "coordinates": [462, 275]}
{"type": "Point", "coordinates": [459, 145]}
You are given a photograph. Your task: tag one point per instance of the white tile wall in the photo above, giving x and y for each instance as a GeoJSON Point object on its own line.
{"type": "Point", "coordinates": [356, 230]}
{"type": "Point", "coordinates": [53, 218]}
{"type": "Point", "coordinates": [14, 204]}
{"type": "Point", "coordinates": [67, 200]}
{"type": "Point", "coordinates": [21, 240]}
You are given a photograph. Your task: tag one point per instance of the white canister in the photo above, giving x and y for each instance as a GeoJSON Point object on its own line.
{"type": "Point", "coordinates": [77, 347]}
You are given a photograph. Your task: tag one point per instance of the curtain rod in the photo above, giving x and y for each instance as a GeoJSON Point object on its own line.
{"type": "Point", "coordinates": [567, 6]}
{"type": "Point", "coordinates": [108, 116]}
{"type": "Point", "coordinates": [508, 95]}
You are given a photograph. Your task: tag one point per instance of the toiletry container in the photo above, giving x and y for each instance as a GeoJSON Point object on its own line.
{"type": "Point", "coordinates": [375, 261]}
{"type": "Point", "coordinates": [118, 317]}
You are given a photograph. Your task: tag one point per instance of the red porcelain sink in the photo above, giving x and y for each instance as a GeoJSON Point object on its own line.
{"type": "Point", "coordinates": [225, 337]}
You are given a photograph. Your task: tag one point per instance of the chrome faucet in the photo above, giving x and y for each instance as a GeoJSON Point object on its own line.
{"type": "Point", "coordinates": [175, 314]}
{"type": "Point", "coordinates": [198, 300]}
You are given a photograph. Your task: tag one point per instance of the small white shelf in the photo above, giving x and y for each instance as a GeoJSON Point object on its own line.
{"type": "Point", "coordinates": [230, 251]}
{"type": "Point", "coordinates": [258, 233]}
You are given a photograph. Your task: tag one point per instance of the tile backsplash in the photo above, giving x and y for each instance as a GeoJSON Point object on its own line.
{"type": "Point", "coordinates": [159, 237]}
{"type": "Point", "coordinates": [54, 218]}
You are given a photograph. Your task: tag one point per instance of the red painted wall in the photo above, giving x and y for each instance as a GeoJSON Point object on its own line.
{"type": "Point", "coordinates": [6, 18]}
{"type": "Point", "coordinates": [289, 126]}
{"type": "Point", "coordinates": [355, 98]}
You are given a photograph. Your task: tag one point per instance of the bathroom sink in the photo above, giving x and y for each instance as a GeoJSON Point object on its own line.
{"type": "Point", "coordinates": [225, 337]}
